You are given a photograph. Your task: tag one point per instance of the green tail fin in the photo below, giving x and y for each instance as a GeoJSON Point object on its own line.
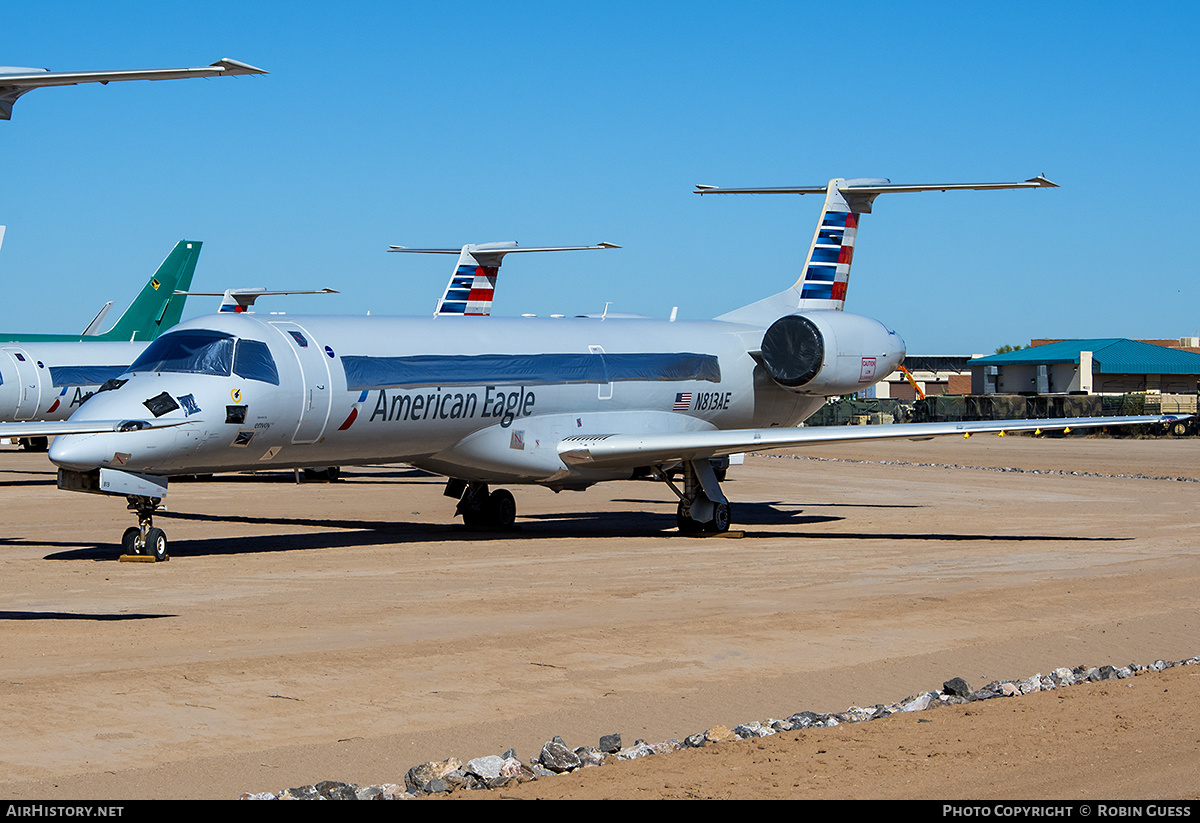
{"type": "Point", "coordinates": [157, 307]}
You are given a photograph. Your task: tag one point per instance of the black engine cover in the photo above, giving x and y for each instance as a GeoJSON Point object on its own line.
{"type": "Point", "coordinates": [793, 350]}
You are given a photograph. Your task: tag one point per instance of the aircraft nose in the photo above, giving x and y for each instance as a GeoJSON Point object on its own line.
{"type": "Point", "coordinates": [79, 452]}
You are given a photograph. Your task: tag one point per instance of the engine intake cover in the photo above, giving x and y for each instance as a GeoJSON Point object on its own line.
{"type": "Point", "coordinates": [793, 350]}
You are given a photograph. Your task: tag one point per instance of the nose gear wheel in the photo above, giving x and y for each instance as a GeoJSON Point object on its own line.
{"type": "Point", "coordinates": [144, 539]}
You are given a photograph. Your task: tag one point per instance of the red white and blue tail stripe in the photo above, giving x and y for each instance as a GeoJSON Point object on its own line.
{"type": "Point", "coordinates": [826, 274]}
{"type": "Point", "coordinates": [472, 286]}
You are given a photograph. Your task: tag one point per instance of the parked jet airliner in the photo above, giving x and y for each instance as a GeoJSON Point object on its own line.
{"type": "Point", "coordinates": [560, 402]}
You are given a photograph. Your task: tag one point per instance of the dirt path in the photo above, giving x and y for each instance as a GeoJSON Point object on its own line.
{"type": "Point", "coordinates": [350, 631]}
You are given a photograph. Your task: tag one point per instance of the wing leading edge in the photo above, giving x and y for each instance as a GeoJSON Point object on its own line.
{"type": "Point", "coordinates": [54, 428]}
{"type": "Point", "coordinates": [649, 449]}
{"type": "Point", "coordinates": [15, 81]}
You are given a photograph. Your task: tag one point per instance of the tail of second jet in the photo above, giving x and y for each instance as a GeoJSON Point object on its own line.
{"type": "Point", "coordinates": [472, 286]}
{"type": "Point", "coordinates": [825, 276]}
{"type": "Point", "coordinates": [157, 307]}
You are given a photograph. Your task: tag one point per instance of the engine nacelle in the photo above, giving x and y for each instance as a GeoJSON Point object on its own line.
{"type": "Point", "coordinates": [829, 353]}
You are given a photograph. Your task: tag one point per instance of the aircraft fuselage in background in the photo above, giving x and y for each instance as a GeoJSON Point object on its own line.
{"type": "Point", "coordinates": [46, 377]}
{"type": "Point", "coordinates": [49, 381]}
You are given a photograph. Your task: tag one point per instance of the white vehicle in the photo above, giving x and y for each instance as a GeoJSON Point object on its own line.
{"type": "Point", "coordinates": [560, 402]}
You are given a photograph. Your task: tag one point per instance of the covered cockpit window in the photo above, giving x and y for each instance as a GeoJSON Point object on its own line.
{"type": "Point", "coordinates": [190, 352]}
{"type": "Point", "coordinates": [253, 361]}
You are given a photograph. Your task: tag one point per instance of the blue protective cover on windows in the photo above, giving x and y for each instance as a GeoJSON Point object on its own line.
{"type": "Point", "coordinates": [84, 375]}
{"type": "Point", "coordinates": [252, 360]}
{"type": "Point", "coordinates": [191, 352]}
{"type": "Point", "coordinates": [527, 369]}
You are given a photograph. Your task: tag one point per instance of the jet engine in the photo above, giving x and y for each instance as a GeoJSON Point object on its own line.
{"type": "Point", "coordinates": [829, 353]}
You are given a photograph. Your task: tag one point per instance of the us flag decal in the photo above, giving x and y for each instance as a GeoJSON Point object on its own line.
{"type": "Point", "coordinates": [683, 401]}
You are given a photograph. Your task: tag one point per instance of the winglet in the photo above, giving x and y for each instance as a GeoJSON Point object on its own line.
{"type": "Point", "coordinates": [235, 67]}
{"type": "Point", "coordinates": [93, 328]}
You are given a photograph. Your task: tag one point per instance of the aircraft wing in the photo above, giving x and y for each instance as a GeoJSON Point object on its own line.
{"type": "Point", "coordinates": [16, 81]}
{"type": "Point", "coordinates": [38, 78]}
{"type": "Point", "coordinates": [649, 449]}
{"type": "Point", "coordinates": [54, 428]}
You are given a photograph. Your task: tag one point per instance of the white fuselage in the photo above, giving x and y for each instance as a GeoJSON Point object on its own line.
{"type": "Point", "coordinates": [50, 380]}
{"type": "Point", "coordinates": [474, 398]}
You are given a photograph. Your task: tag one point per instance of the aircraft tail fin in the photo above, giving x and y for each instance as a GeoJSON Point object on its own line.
{"type": "Point", "coordinates": [157, 307]}
{"type": "Point", "coordinates": [472, 285]}
{"type": "Point", "coordinates": [825, 276]}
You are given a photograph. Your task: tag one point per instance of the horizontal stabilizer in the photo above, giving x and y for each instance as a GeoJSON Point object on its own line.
{"type": "Point", "coordinates": [240, 300]}
{"type": "Point", "coordinates": [879, 186]}
{"type": "Point", "coordinates": [825, 275]}
{"type": "Point", "coordinates": [502, 249]}
{"type": "Point", "coordinates": [472, 284]}
{"type": "Point", "coordinates": [649, 449]}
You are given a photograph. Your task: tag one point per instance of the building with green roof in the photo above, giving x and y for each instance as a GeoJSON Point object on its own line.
{"type": "Point", "coordinates": [1101, 366]}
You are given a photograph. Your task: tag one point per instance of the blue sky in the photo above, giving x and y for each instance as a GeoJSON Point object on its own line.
{"type": "Point", "coordinates": [560, 123]}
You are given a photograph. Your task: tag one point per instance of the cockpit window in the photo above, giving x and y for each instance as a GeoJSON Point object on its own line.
{"type": "Point", "coordinates": [189, 352]}
{"type": "Point", "coordinates": [252, 360]}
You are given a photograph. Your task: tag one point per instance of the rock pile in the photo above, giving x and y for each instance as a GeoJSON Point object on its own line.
{"type": "Point", "coordinates": [493, 772]}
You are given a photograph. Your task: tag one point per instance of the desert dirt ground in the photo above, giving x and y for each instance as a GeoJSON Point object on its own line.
{"type": "Point", "coordinates": [351, 630]}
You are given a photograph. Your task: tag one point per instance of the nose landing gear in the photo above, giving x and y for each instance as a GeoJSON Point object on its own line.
{"type": "Point", "coordinates": [144, 539]}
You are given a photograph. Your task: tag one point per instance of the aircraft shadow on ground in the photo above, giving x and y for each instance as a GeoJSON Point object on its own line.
{"type": "Point", "coordinates": [20, 615]}
{"type": "Point", "coordinates": [751, 517]}
{"type": "Point", "coordinates": [402, 474]}
{"type": "Point", "coordinates": [44, 481]}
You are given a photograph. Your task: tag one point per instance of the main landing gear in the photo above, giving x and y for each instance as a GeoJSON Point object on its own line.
{"type": "Point", "coordinates": [703, 508]}
{"type": "Point", "coordinates": [481, 509]}
{"type": "Point", "coordinates": [144, 538]}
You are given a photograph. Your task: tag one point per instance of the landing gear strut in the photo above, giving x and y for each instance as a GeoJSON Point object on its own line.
{"type": "Point", "coordinates": [144, 538]}
{"type": "Point", "coordinates": [703, 508]}
{"type": "Point", "coordinates": [481, 509]}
